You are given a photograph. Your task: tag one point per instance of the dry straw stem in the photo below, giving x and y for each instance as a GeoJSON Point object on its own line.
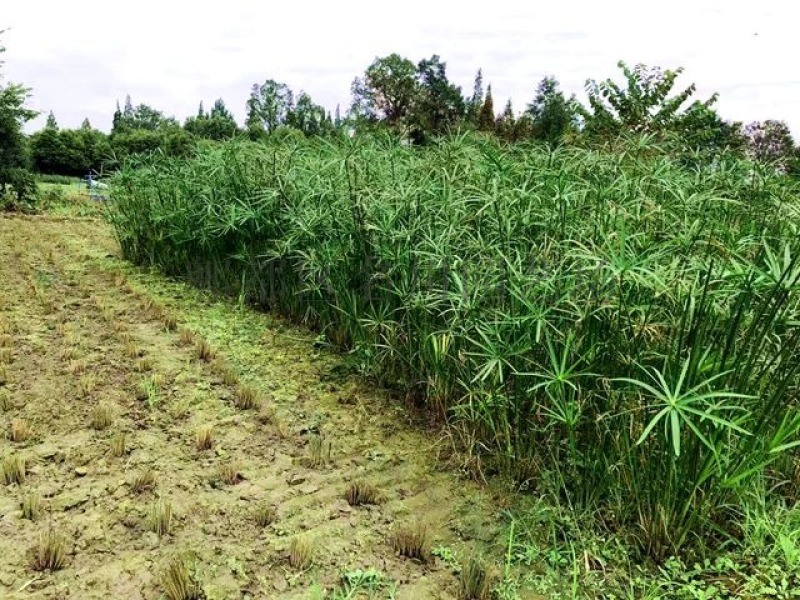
{"type": "Point", "coordinates": [19, 430]}
{"type": "Point", "coordinates": [70, 353]}
{"type": "Point", "coordinates": [204, 440]}
{"type": "Point", "coordinates": [6, 356]}
{"type": "Point", "coordinates": [102, 417]}
{"type": "Point", "coordinates": [319, 451]}
{"type": "Point", "coordinates": [265, 514]}
{"type": "Point", "coordinates": [76, 367]}
{"type": "Point", "coordinates": [132, 350]}
{"type": "Point", "coordinates": [179, 581]}
{"type": "Point", "coordinates": [301, 552]}
{"type": "Point", "coordinates": [161, 517]}
{"type": "Point", "coordinates": [13, 469]}
{"type": "Point", "coordinates": [32, 506]}
{"type": "Point", "coordinates": [411, 541]}
{"type": "Point", "coordinates": [170, 322]}
{"type": "Point", "coordinates": [5, 401]}
{"type": "Point", "coordinates": [246, 398]}
{"type": "Point", "coordinates": [361, 492]}
{"type": "Point", "coordinates": [87, 384]}
{"type": "Point", "coordinates": [475, 580]}
{"type": "Point", "coordinates": [229, 473]}
{"type": "Point", "coordinates": [143, 480]}
{"type": "Point", "coordinates": [117, 444]}
{"type": "Point", "coordinates": [50, 552]}
{"type": "Point", "coordinates": [204, 351]}
{"type": "Point", "coordinates": [144, 364]}
{"type": "Point", "coordinates": [187, 337]}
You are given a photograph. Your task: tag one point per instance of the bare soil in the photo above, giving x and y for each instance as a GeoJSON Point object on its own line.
{"type": "Point", "coordinates": [81, 328]}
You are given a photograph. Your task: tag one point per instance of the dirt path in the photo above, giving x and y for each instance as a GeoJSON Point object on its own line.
{"type": "Point", "coordinates": [81, 329]}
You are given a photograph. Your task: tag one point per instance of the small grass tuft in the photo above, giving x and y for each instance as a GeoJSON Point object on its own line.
{"type": "Point", "coordinates": [170, 322]}
{"type": "Point", "coordinates": [411, 541]}
{"type": "Point", "coordinates": [475, 580]}
{"type": "Point", "coordinates": [204, 351]}
{"type": "Point", "coordinates": [50, 552]}
{"type": "Point", "coordinates": [180, 582]}
{"type": "Point", "coordinates": [229, 473]}
{"type": "Point", "coordinates": [14, 468]}
{"type": "Point", "coordinates": [204, 440]}
{"type": "Point", "coordinates": [319, 451]}
{"type": "Point", "coordinates": [301, 552]}
{"type": "Point", "coordinates": [6, 356]}
{"type": "Point", "coordinates": [102, 417]}
{"type": "Point", "coordinates": [142, 481]}
{"type": "Point", "coordinates": [19, 430]}
{"type": "Point", "coordinates": [187, 337]}
{"type": "Point", "coordinates": [87, 384]}
{"type": "Point", "coordinates": [5, 401]}
{"type": "Point", "coordinates": [132, 350]}
{"type": "Point", "coordinates": [265, 515]}
{"type": "Point", "coordinates": [6, 340]}
{"type": "Point", "coordinates": [246, 398]}
{"type": "Point", "coordinates": [161, 517]}
{"type": "Point", "coordinates": [3, 375]}
{"type": "Point", "coordinates": [70, 353]}
{"type": "Point", "coordinates": [77, 366]}
{"type": "Point", "coordinates": [118, 447]}
{"type": "Point", "coordinates": [361, 492]}
{"type": "Point", "coordinates": [32, 506]}
{"type": "Point", "coordinates": [144, 364]}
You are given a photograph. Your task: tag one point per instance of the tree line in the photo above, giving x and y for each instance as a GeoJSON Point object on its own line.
{"type": "Point", "coordinates": [416, 101]}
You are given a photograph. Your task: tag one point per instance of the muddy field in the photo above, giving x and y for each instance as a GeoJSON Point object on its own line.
{"type": "Point", "coordinates": [127, 397]}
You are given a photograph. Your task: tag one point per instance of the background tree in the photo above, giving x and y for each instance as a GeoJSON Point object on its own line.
{"type": "Point", "coordinates": [13, 150]}
{"type": "Point", "coordinates": [506, 124]}
{"type": "Point", "coordinates": [771, 142]}
{"type": "Point", "coordinates": [389, 89]}
{"type": "Point", "coordinates": [308, 117]}
{"type": "Point", "coordinates": [486, 117]}
{"type": "Point", "coordinates": [218, 124]}
{"type": "Point", "coordinates": [269, 106]}
{"type": "Point", "coordinates": [551, 114]}
{"type": "Point", "coordinates": [475, 102]}
{"type": "Point", "coordinates": [438, 104]}
{"type": "Point", "coordinates": [644, 103]}
{"type": "Point", "coordinates": [47, 151]}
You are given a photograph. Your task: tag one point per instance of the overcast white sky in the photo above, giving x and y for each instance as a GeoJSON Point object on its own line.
{"type": "Point", "coordinates": [81, 56]}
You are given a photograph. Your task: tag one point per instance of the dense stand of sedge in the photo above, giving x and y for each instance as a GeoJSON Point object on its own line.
{"type": "Point", "coordinates": [612, 326]}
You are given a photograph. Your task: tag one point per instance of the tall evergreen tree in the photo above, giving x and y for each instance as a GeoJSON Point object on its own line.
{"type": "Point", "coordinates": [486, 116]}
{"type": "Point", "coordinates": [550, 112]}
{"type": "Point", "coordinates": [476, 101]}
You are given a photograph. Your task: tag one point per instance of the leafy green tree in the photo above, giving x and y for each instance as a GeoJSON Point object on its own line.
{"type": "Point", "coordinates": [218, 124]}
{"type": "Point", "coordinates": [47, 149]}
{"type": "Point", "coordinates": [771, 142]}
{"type": "Point", "coordinates": [486, 117]}
{"type": "Point", "coordinates": [13, 151]}
{"type": "Point", "coordinates": [506, 124]}
{"type": "Point", "coordinates": [136, 141]}
{"type": "Point", "coordinates": [438, 105]}
{"type": "Point", "coordinates": [96, 147]}
{"type": "Point", "coordinates": [269, 106]}
{"type": "Point", "coordinates": [551, 114]}
{"type": "Point", "coordinates": [142, 116]}
{"type": "Point", "coordinates": [389, 89]}
{"type": "Point", "coordinates": [645, 103]}
{"type": "Point", "coordinates": [699, 134]}
{"type": "Point", "coordinates": [308, 117]}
